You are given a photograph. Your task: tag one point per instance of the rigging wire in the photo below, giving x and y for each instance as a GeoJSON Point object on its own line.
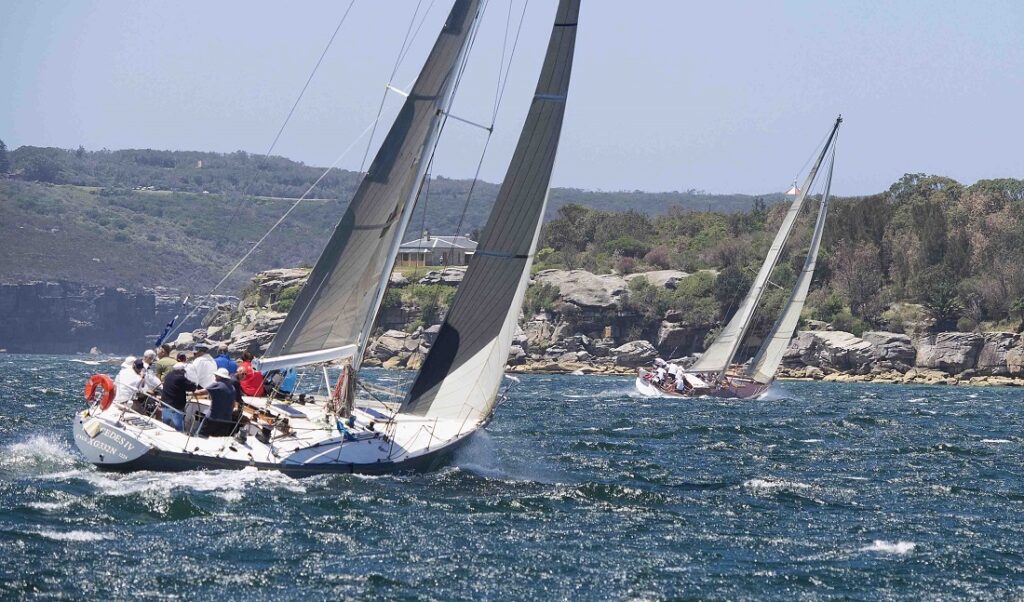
{"type": "Point", "coordinates": [391, 79]}
{"type": "Point", "coordinates": [263, 161]}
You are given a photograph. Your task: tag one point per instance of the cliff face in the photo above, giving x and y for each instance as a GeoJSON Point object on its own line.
{"type": "Point", "coordinates": [71, 317]}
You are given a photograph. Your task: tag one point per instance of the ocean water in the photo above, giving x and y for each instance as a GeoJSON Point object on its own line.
{"type": "Point", "coordinates": [578, 490]}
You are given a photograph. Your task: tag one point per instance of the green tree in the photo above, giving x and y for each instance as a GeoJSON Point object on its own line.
{"type": "Point", "coordinates": [5, 162]}
{"type": "Point", "coordinates": [730, 287]}
{"type": "Point", "coordinates": [42, 168]}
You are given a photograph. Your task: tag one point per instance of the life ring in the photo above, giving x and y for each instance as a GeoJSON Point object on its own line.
{"type": "Point", "coordinates": [104, 382]}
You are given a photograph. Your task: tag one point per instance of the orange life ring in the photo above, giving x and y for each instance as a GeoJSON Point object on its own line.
{"type": "Point", "coordinates": [104, 382]}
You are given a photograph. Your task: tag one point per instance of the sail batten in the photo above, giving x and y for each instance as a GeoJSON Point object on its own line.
{"type": "Point", "coordinates": [720, 354]}
{"type": "Point", "coordinates": [337, 305]}
{"type": "Point", "coordinates": [769, 357]}
{"type": "Point", "coordinates": [462, 372]}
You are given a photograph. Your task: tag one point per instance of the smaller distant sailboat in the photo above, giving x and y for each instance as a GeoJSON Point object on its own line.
{"type": "Point", "coordinates": [714, 374]}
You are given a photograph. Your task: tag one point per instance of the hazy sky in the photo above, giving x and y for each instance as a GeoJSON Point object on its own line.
{"type": "Point", "coordinates": [719, 96]}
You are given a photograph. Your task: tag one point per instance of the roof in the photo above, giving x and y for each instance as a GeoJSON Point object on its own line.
{"type": "Point", "coordinates": [439, 242]}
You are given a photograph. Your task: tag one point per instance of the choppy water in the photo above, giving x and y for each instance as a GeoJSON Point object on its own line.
{"type": "Point", "coordinates": [578, 491]}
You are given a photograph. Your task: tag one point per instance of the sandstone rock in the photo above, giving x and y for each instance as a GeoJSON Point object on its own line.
{"type": "Point", "coordinates": [451, 276]}
{"type": "Point", "coordinates": [397, 279]}
{"type": "Point", "coordinates": [184, 340]}
{"type": "Point", "coordinates": [634, 354]}
{"type": "Point", "coordinates": [516, 355]}
{"type": "Point", "coordinates": [391, 343]}
{"type": "Point", "coordinates": [1015, 361]}
{"type": "Point", "coordinates": [392, 362]}
{"type": "Point", "coordinates": [992, 358]}
{"type": "Point", "coordinates": [892, 346]}
{"type": "Point", "coordinates": [415, 360]}
{"type": "Point", "coordinates": [951, 352]}
{"type": "Point", "coordinates": [584, 289]}
{"type": "Point", "coordinates": [674, 335]}
{"type": "Point", "coordinates": [253, 341]}
{"type": "Point", "coordinates": [660, 278]}
{"type": "Point", "coordinates": [830, 350]}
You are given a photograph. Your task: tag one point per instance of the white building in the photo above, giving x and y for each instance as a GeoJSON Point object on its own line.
{"type": "Point", "coordinates": [436, 250]}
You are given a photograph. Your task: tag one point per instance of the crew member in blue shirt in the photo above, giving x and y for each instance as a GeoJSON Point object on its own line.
{"type": "Point", "coordinates": [224, 360]}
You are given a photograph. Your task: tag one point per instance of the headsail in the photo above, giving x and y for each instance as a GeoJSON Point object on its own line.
{"type": "Point", "coordinates": [461, 374]}
{"type": "Point", "coordinates": [332, 314]}
{"type": "Point", "coordinates": [722, 351]}
{"type": "Point", "coordinates": [768, 358]}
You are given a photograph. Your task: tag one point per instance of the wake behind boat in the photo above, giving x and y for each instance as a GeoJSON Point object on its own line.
{"type": "Point", "coordinates": [714, 373]}
{"type": "Point", "coordinates": [456, 391]}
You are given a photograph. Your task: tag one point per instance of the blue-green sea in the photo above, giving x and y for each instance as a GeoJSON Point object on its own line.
{"type": "Point", "coordinates": [578, 490]}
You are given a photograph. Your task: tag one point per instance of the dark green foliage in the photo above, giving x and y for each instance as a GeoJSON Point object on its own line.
{"type": "Point", "coordinates": [730, 287]}
{"type": "Point", "coordinates": [540, 297]}
{"type": "Point", "coordinates": [5, 162]}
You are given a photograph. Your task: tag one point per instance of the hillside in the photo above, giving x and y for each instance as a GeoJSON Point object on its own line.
{"type": "Point", "coordinates": [129, 217]}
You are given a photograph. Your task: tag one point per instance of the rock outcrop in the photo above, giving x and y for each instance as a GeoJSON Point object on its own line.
{"type": "Point", "coordinates": [950, 352]}
{"type": "Point", "coordinates": [71, 317]}
{"type": "Point", "coordinates": [584, 289]}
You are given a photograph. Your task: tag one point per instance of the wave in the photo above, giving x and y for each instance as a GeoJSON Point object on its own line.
{"type": "Point", "coordinates": [37, 454]}
{"type": "Point", "coordinates": [229, 485]}
{"type": "Point", "coordinates": [772, 485]}
{"type": "Point", "coordinates": [996, 441]}
{"type": "Point", "coordinates": [76, 536]}
{"type": "Point", "coordinates": [889, 547]}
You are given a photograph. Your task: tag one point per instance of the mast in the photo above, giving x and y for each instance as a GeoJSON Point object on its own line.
{"type": "Point", "coordinates": [462, 372]}
{"type": "Point", "coordinates": [720, 354]}
{"type": "Point", "coordinates": [334, 311]}
{"type": "Point", "coordinates": [768, 358]}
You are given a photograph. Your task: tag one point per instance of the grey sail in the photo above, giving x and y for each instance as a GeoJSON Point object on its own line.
{"type": "Point", "coordinates": [460, 377]}
{"type": "Point", "coordinates": [720, 354]}
{"type": "Point", "coordinates": [769, 357]}
{"type": "Point", "coordinates": [336, 306]}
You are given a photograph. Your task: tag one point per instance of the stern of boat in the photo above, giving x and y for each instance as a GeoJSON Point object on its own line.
{"type": "Point", "coordinates": [104, 444]}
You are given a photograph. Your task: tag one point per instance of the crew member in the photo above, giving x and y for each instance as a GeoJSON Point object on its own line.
{"type": "Point", "coordinates": [201, 369]}
{"type": "Point", "coordinates": [174, 395]}
{"type": "Point", "coordinates": [164, 361]}
{"type": "Point", "coordinates": [250, 378]}
{"type": "Point", "coordinates": [224, 360]}
{"type": "Point", "coordinates": [220, 420]}
{"type": "Point", "coordinates": [133, 379]}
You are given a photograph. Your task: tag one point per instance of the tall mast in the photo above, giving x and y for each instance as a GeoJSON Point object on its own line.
{"type": "Point", "coordinates": [723, 350]}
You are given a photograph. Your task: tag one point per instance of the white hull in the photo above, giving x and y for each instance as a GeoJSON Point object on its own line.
{"type": "Point", "coordinates": [123, 440]}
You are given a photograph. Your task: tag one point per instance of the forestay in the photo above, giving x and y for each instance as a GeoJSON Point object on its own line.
{"type": "Point", "coordinates": [461, 375]}
{"type": "Point", "coordinates": [345, 287]}
{"type": "Point", "coordinates": [722, 351]}
{"type": "Point", "coordinates": [769, 357]}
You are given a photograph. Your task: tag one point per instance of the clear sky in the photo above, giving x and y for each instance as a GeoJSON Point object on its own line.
{"type": "Point", "coordinates": [668, 95]}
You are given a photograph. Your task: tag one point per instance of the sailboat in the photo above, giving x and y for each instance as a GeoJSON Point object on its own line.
{"type": "Point", "coordinates": [455, 392]}
{"type": "Point", "coordinates": [714, 374]}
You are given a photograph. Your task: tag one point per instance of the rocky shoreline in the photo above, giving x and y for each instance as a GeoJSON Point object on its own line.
{"type": "Point", "coordinates": [549, 342]}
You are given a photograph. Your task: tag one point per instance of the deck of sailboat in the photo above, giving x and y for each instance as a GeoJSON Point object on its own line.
{"type": "Point", "coordinates": [312, 440]}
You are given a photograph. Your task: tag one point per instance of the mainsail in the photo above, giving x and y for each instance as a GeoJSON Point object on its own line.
{"type": "Point", "coordinates": [768, 358]}
{"type": "Point", "coordinates": [334, 311]}
{"type": "Point", "coordinates": [722, 351]}
{"type": "Point", "coordinates": [461, 374]}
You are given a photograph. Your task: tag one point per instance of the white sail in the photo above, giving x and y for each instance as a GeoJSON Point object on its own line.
{"type": "Point", "coordinates": [722, 351]}
{"type": "Point", "coordinates": [769, 357]}
{"type": "Point", "coordinates": [461, 375]}
{"type": "Point", "coordinates": [339, 301]}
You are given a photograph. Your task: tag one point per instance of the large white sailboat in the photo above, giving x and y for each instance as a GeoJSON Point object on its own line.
{"type": "Point", "coordinates": [455, 392]}
{"type": "Point", "coordinates": [714, 373]}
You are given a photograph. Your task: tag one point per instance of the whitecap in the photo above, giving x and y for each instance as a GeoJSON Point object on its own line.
{"type": "Point", "coordinates": [77, 536]}
{"type": "Point", "coordinates": [889, 547]}
{"type": "Point", "coordinates": [230, 485]}
{"type": "Point", "coordinates": [37, 451]}
{"type": "Point", "coordinates": [996, 441]}
{"type": "Point", "coordinates": [623, 428]}
{"type": "Point", "coordinates": [768, 485]}
{"type": "Point", "coordinates": [811, 440]}
{"type": "Point", "coordinates": [30, 405]}
{"type": "Point", "coordinates": [49, 506]}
